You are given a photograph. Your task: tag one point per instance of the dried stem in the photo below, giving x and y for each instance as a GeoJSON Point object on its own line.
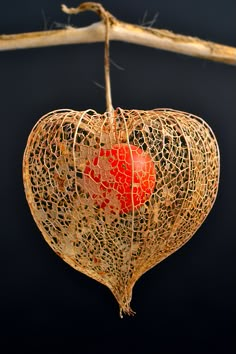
{"type": "Point", "coordinates": [121, 31]}
{"type": "Point", "coordinates": [107, 18]}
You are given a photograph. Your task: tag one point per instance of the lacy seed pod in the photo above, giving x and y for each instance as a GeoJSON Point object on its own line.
{"type": "Point", "coordinates": [116, 193]}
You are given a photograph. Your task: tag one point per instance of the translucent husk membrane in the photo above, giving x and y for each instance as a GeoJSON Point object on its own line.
{"type": "Point", "coordinates": [111, 247]}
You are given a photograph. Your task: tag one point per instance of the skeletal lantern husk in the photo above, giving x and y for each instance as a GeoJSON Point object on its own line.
{"type": "Point", "coordinates": [111, 247]}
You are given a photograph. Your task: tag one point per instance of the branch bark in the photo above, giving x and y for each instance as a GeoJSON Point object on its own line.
{"type": "Point", "coordinates": [122, 31]}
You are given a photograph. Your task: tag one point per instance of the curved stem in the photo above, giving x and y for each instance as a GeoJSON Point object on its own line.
{"type": "Point", "coordinates": [107, 18]}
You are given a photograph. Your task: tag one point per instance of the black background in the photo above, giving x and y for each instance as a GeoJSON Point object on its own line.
{"type": "Point", "coordinates": [186, 304]}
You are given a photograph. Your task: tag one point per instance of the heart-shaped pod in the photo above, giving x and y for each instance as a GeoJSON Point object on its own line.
{"type": "Point", "coordinates": [109, 243]}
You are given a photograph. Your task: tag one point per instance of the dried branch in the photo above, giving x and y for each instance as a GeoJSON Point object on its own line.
{"type": "Point", "coordinates": [121, 31]}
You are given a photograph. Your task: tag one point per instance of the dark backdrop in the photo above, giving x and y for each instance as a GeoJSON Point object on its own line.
{"type": "Point", "coordinates": [186, 303]}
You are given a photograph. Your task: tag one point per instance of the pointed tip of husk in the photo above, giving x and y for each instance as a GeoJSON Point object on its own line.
{"type": "Point", "coordinates": [126, 311]}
